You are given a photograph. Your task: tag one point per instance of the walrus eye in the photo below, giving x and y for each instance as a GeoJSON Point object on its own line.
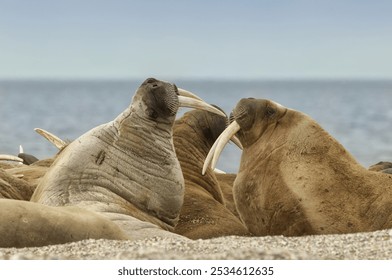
{"type": "Point", "coordinates": [270, 112]}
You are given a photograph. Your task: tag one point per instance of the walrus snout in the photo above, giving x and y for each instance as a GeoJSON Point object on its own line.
{"type": "Point", "coordinates": [151, 81]}
{"type": "Point", "coordinates": [155, 84]}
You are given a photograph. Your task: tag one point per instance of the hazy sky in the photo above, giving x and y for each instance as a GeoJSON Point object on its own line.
{"type": "Point", "coordinates": [195, 39]}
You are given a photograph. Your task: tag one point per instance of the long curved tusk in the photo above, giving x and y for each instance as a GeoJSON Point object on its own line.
{"type": "Point", "coordinates": [11, 158]}
{"type": "Point", "coordinates": [60, 144]}
{"type": "Point", "coordinates": [210, 155]}
{"type": "Point", "coordinates": [184, 92]}
{"type": "Point", "coordinates": [220, 143]}
{"type": "Point", "coordinates": [198, 104]}
{"type": "Point", "coordinates": [21, 151]}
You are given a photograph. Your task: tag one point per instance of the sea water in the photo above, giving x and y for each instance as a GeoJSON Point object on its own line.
{"type": "Point", "coordinates": [357, 113]}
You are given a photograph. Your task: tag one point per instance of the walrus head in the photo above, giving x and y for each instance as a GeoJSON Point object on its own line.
{"type": "Point", "coordinates": [248, 121]}
{"type": "Point", "coordinates": [159, 100]}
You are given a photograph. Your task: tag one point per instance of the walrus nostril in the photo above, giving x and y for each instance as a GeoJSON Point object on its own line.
{"type": "Point", "coordinates": [151, 81]}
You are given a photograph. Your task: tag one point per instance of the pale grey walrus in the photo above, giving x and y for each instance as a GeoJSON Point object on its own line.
{"type": "Point", "coordinates": [127, 169]}
{"type": "Point", "coordinates": [203, 214]}
{"type": "Point", "coordinates": [296, 179]}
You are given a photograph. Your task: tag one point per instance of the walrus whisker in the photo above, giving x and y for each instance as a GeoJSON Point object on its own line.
{"type": "Point", "coordinates": [198, 104]}
{"type": "Point", "coordinates": [56, 141]}
{"type": "Point", "coordinates": [11, 158]}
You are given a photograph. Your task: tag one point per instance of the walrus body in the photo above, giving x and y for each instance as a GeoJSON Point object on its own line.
{"type": "Point", "coordinates": [25, 224]}
{"type": "Point", "coordinates": [31, 174]}
{"type": "Point", "coordinates": [226, 182]}
{"type": "Point", "coordinates": [14, 188]}
{"type": "Point", "coordinates": [91, 174]}
{"type": "Point", "coordinates": [296, 179]}
{"type": "Point", "coordinates": [203, 214]}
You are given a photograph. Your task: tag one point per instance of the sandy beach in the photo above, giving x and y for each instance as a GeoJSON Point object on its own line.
{"type": "Point", "coordinates": [359, 246]}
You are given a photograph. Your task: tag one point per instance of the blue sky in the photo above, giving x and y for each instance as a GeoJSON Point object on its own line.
{"type": "Point", "coordinates": [196, 39]}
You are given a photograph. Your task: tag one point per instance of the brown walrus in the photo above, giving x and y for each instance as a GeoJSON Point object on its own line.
{"type": "Point", "coordinates": [14, 188]}
{"type": "Point", "coordinates": [226, 182]}
{"type": "Point", "coordinates": [203, 214]}
{"type": "Point", "coordinates": [296, 179]}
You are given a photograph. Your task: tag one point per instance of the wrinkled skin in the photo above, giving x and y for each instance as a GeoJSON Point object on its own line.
{"type": "Point", "coordinates": [296, 179]}
{"type": "Point", "coordinates": [203, 214]}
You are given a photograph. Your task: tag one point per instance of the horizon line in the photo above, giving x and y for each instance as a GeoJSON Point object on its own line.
{"type": "Point", "coordinates": [211, 79]}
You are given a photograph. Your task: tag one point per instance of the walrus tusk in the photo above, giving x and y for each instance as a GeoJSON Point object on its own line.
{"type": "Point", "coordinates": [216, 170]}
{"type": "Point", "coordinates": [198, 104]}
{"type": "Point", "coordinates": [183, 92]}
{"type": "Point", "coordinates": [60, 144]}
{"type": "Point", "coordinates": [237, 142]}
{"type": "Point", "coordinates": [11, 158]}
{"type": "Point", "coordinates": [220, 143]}
{"type": "Point", "coordinates": [21, 151]}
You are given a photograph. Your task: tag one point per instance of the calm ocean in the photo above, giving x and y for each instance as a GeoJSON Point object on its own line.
{"type": "Point", "coordinates": [357, 113]}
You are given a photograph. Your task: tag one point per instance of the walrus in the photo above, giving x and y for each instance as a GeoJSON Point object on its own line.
{"type": "Point", "coordinates": [126, 170]}
{"type": "Point", "coordinates": [27, 158]}
{"type": "Point", "coordinates": [203, 214]}
{"type": "Point", "coordinates": [382, 166]}
{"type": "Point", "coordinates": [20, 180]}
{"type": "Point", "coordinates": [9, 161]}
{"type": "Point", "coordinates": [296, 179]}
{"type": "Point", "coordinates": [25, 224]}
{"type": "Point", "coordinates": [31, 174]}
{"type": "Point", "coordinates": [12, 187]}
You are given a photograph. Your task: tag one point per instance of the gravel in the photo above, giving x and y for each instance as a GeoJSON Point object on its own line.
{"type": "Point", "coordinates": [368, 246]}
